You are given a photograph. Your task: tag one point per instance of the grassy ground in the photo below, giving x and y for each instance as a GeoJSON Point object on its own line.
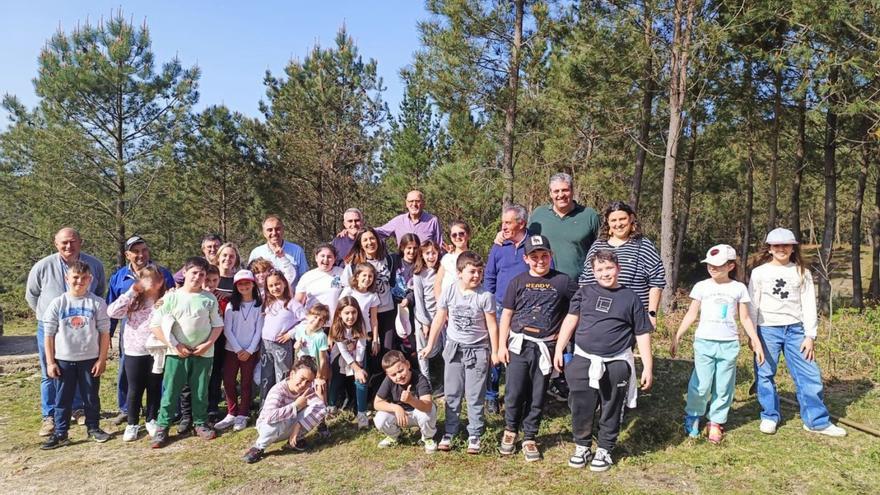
{"type": "Point", "coordinates": [653, 455]}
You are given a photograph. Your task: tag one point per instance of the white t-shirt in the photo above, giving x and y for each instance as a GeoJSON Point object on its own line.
{"type": "Point", "coordinates": [718, 308]}
{"type": "Point", "coordinates": [366, 301]}
{"type": "Point", "coordinates": [450, 273]}
{"type": "Point", "coordinates": [321, 287]}
{"type": "Point", "coordinates": [781, 295]}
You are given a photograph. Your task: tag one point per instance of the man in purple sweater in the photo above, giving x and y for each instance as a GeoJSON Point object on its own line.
{"type": "Point", "coordinates": [416, 221]}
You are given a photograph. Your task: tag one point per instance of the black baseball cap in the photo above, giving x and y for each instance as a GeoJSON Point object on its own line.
{"type": "Point", "coordinates": [536, 242]}
{"type": "Point", "coordinates": [135, 239]}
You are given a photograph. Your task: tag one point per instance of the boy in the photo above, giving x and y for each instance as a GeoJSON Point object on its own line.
{"type": "Point", "coordinates": [191, 348]}
{"type": "Point", "coordinates": [404, 398]}
{"type": "Point", "coordinates": [609, 319]}
{"type": "Point", "coordinates": [290, 410]}
{"type": "Point", "coordinates": [77, 338]}
{"type": "Point", "coordinates": [534, 303]}
{"type": "Point", "coordinates": [471, 347]}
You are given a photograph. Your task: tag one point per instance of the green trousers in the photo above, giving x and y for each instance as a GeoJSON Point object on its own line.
{"type": "Point", "coordinates": [193, 371]}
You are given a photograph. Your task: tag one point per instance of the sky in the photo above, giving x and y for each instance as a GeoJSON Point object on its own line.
{"type": "Point", "coordinates": [232, 42]}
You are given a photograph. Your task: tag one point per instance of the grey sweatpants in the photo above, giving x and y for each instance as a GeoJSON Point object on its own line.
{"type": "Point", "coordinates": [387, 422]}
{"type": "Point", "coordinates": [467, 369]}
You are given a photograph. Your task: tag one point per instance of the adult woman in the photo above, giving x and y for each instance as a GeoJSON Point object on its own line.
{"type": "Point", "coordinates": [323, 283]}
{"type": "Point", "coordinates": [368, 249]}
{"type": "Point", "coordinates": [229, 262]}
{"type": "Point", "coordinates": [460, 233]}
{"type": "Point", "coordinates": [640, 267]}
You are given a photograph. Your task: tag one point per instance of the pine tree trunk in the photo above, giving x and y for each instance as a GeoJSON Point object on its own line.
{"type": "Point", "coordinates": [747, 222]}
{"type": "Point", "coordinates": [647, 106]}
{"type": "Point", "coordinates": [830, 172]}
{"type": "Point", "coordinates": [686, 206]}
{"type": "Point", "coordinates": [875, 248]}
{"type": "Point", "coordinates": [774, 154]}
{"type": "Point", "coordinates": [861, 182]}
{"type": "Point", "coordinates": [507, 166]}
{"type": "Point", "coordinates": [799, 160]}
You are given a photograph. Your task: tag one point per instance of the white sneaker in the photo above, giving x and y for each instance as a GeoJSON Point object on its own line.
{"type": "Point", "coordinates": [831, 430]}
{"type": "Point", "coordinates": [363, 421]}
{"type": "Point", "coordinates": [151, 427]}
{"type": "Point", "coordinates": [225, 423]}
{"type": "Point", "coordinates": [387, 442]}
{"type": "Point", "coordinates": [240, 423]}
{"type": "Point", "coordinates": [768, 426]}
{"type": "Point", "coordinates": [601, 461]}
{"type": "Point", "coordinates": [131, 433]}
{"type": "Point", "coordinates": [430, 445]}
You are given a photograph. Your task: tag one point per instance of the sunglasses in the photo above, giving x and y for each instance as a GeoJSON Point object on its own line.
{"type": "Point", "coordinates": [457, 234]}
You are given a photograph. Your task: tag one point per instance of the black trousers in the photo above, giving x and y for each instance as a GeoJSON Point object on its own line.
{"type": "Point", "coordinates": [610, 396]}
{"type": "Point", "coordinates": [138, 373]}
{"type": "Point", "coordinates": [525, 392]}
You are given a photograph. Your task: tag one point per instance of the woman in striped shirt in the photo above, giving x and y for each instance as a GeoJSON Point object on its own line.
{"type": "Point", "coordinates": [640, 267]}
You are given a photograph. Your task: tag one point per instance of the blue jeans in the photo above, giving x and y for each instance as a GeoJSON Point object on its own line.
{"type": "Point", "coordinates": [76, 376]}
{"type": "Point", "coordinates": [49, 386]}
{"type": "Point", "coordinates": [805, 374]}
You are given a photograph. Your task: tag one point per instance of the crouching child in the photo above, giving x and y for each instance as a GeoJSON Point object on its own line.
{"type": "Point", "coordinates": [404, 399]}
{"type": "Point", "coordinates": [607, 319]}
{"type": "Point", "coordinates": [291, 409]}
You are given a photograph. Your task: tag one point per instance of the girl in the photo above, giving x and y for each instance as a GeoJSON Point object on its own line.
{"type": "Point", "coordinates": [311, 340]}
{"type": "Point", "coordinates": [368, 249]}
{"type": "Point", "coordinates": [424, 275]}
{"type": "Point", "coordinates": [281, 313]}
{"type": "Point", "coordinates": [136, 306]}
{"type": "Point", "coordinates": [362, 287]}
{"type": "Point", "coordinates": [460, 233]}
{"type": "Point", "coordinates": [242, 325]}
{"type": "Point", "coordinates": [261, 268]}
{"type": "Point", "coordinates": [716, 343]}
{"type": "Point", "coordinates": [408, 253]}
{"type": "Point", "coordinates": [784, 308]}
{"type": "Point", "coordinates": [348, 344]}
{"type": "Point", "coordinates": [323, 283]}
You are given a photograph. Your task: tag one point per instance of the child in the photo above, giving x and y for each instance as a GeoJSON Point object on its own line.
{"type": "Point", "coordinates": [362, 287]}
{"type": "Point", "coordinates": [136, 306]}
{"type": "Point", "coordinates": [196, 326]}
{"type": "Point", "coordinates": [404, 398]}
{"type": "Point", "coordinates": [77, 337]}
{"type": "Point", "coordinates": [409, 251]}
{"type": "Point", "coordinates": [262, 268]}
{"type": "Point", "coordinates": [460, 234]}
{"type": "Point", "coordinates": [310, 340]}
{"type": "Point", "coordinates": [784, 308]}
{"type": "Point", "coordinates": [535, 304]}
{"type": "Point", "coordinates": [716, 343]}
{"type": "Point", "coordinates": [424, 274]}
{"type": "Point", "coordinates": [471, 344]}
{"type": "Point", "coordinates": [348, 343]}
{"type": "Point", "coordinates": [281, 313]}
{"type": "Point", "coordinates": [242, 326]}
{"type": "Point", "coordinates": [290, 410]}
{"type": "Point", "coordinates": [607, 319]}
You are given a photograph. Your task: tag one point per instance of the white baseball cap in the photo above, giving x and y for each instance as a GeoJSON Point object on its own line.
{"type": "Point", "coordinates": [720, 255]}
{"type": "Point", "coordinates": [781, 236]}
{"type": "Point", "coordinates": [243, 275]}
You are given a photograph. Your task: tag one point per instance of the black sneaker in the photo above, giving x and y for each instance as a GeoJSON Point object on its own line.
{"type": "Point", "coordinates": [253, 455]}
{"type": "Point", "coordinates": [99, 435]}
{"type": "Point", "coordinates": [119, 419]}
{"type": "Point", "coordinates": [300, 446]}
{"type": "Point", "coordinates": [160, 438]}
{"type": "Point", "coordinates": [558, 390]}
{"type": "Point", "coordinates": [185, 426]}
{"type": "Point", "coordinates": [492, 406]}
{"type": "Point", "coordinates": [54, 442]}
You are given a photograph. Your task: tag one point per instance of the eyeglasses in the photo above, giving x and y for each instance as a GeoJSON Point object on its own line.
{"type": "Point", "coordinates": [457, 234]}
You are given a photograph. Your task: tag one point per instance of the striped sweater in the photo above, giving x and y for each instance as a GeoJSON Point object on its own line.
{"type": "Point", "coordinates": [640, 266]}
{"type": "Point", "coordinates": [279, 406]}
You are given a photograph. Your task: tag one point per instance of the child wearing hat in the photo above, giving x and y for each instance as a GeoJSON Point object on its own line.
{"type": "Point", "coordinates": [534, 305]}
{"type": "Point", "coordinates": [717, 301]}
{"type": "Point", "coordinates": [784, 308]}
{"type": "Point", "coordinates": [243, 328]}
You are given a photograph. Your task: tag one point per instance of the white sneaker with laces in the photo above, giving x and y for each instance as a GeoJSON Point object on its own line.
{"type": "Point", "coordinates": [151, 427]}
{"type": "Point", "coordinates": [768, 426]}
{"type": "Point", "coordinates": [225, 423]}
{"type": "Point", "coordinates": [580, 458]}
{"type": "Point", "coordinates": [363, 421]}
{"type": "Point", "coordinates": [131, 433]}
{"type": "Point", "coordinates": [473, 445]}
{"type": "Point", "coordinates": [430, 445]}
{"type": "Point", "coordinates": [601, 461]}
{"type": "Point", "coordinates": [831, 430]}
{"type": "Point", "coordinates": [445, 443]}
{"type": "Point", "coordinates": [240, 423]}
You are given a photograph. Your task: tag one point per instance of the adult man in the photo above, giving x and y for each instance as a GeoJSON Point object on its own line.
{"type": "Point", "coordinates": [506, 261]}
{"type": "Point", "coordinates": [210, 246]}
{"type": "Point", "coordinates": [416, 221]}
{"type": "Point", "coordinates": [276, 248]}
{"type": "Point", "coordinates": [353, 222]}
{"type": "Point", "coordinates": [570, 227]}
{"type": "Point", "coordinates": [137, 253]}
{"type": "Point", "coordinates": [45, 283]}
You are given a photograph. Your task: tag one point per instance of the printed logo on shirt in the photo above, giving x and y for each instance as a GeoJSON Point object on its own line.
{"type": "Point", "coordinates": [77, 322]}
{"type": "Point", "coordinates": [777, 289]}
{"type": "Point", "coordinates": [463, 317]}
{"type": "Point", "coordinates": [603, 304]}
{"type": "Point", "coordinates": [336, 282]}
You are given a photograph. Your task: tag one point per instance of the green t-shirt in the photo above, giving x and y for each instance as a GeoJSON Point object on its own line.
{"type": "Point", "coordinates": [570, 236]}
{"type": "Point", "coordinates": [312, 344]}
{"type": "Point", "coordinates": [196, 314]}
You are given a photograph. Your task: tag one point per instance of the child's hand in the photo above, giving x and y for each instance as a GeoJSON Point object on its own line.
{"type": "Point", "coordinates": [183, 350]}
{"type": "Point", "coordinates": [647, 380]}
{"type": "Point", "coordinates": [320, 386]}
{"type": "Point", "coordinates": [202, 348]}
{"type": "Point", "coordinates": [243, 355]}
{"type": "Point", "coordinates": [283, 338]}
{"type": "Point", "coordinates": [426, 351]}
{"type": "Point", "coordinates": [297, 345]}
{"type": "Point", "coordinates": [360, 375]}
{"type": "Point", "coordinates": [400, 414]}
{"type": "Point", "coordinates": [758, 350]}
{"type": "Point", "coordinates": [375, 347]}
{"type": "Point", "coordinates": [494, 358]}
{"type": "Point", "coordinates": [98, 368]}
{"type": "Point", "coordinates": [304, 399]}
{"type": "Point", "coordinates": [53, 371]}
{"type": "Point", "coordinates": [503, 354]}
{"type": "Point", "coordinates": [406, 395]}
{"type": "Point", "coordinates": [673, 347]}
{"type": "Point", "coordinates": [806, 349]}
{"type": "Point", "coordinates": [558, 361]}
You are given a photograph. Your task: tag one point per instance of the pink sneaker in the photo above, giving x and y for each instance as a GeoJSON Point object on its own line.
{"type": "Point", "coordinates": [715, 432]}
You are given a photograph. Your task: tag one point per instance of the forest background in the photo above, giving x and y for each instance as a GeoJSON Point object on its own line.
{"type": "Point", "coordinates": [717, 120]}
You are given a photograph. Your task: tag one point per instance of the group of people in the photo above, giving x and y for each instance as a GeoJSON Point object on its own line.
{"type": "Point", "coordinates": [555, 309]}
